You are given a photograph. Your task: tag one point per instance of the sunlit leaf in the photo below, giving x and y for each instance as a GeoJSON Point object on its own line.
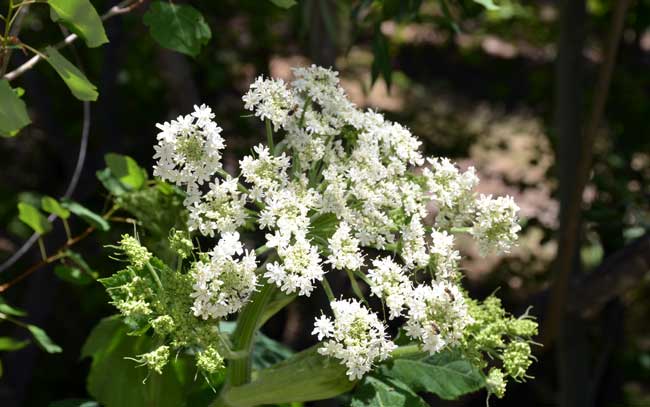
{"type": "Point", "coordinates": [33, 218]}
{"type": "Point", "coordinates": [51, 205]}
{"type": "Point", "coordinates": [86, 214]}
{"type": "Point", "coordinates": [8, 344]}
{"type": "Point", "coordinates": [127, 170]}
{"type": "Point", "coordinates": [43, 341]}
{"type": "Point", "coordinates": [81, 18]}
{"type": "Point", "coordinates": [9, 310]}
{"type": "Point", "coordinates": [179, 27]}
{"type": "Point", "coordinates": [284, 3]}
{"type": "Point", "coordinates": [488, 4]}
{"type": "Point", "coordinates": [13, 113]}
{"type": "Point", "coordinates": [77, 82]}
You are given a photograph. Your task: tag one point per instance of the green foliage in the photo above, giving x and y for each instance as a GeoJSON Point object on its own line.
{"type": "Point", "coordinates": [116, 381]}
{"type": "Point", "coordinates": [87, 215]}
{"type": "Point", "coordinates": [380, 391]}
{"type": "Point", "coordinates": [33, 218]}
{"type": "Point", "coordinates": [266, 351]}
{"type": "Point", "coordinates": [285, 4]}
{"type": "Point", "coordinates": [126, 170]}
{"type": "Point", "coordinates": [8, 344]}
{"type": "Point", "coordinates": [42, 340]}
{"type": "Point", "coordinates": [9, 310]}
{"type": "Point", "coordinates": [51, 205]}
{"type": "Point", "coordinates": [73, 275]}
{"type": "Point", "coordinates": [74, 403]}
{"type": "Point", "coordinates": [76, 81]}
{"type": "Point", "coordinates": [158, 209]}
{"type": "Point", "coordinates": [110, 182]}
{"type": "Point", "coordinates": [179, 27]}
{"type": "Point", "coordinates": [488, 4]}
{"type": "Point", "coordinates": [81, 18]}
{"type": "Point", "coordinates": [446, 374]}
{"type": "Point", "coordinates": [13, 113]}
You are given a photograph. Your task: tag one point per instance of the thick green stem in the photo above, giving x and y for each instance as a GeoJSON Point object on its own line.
{"type": "Point", "coordinates": [239, 371]}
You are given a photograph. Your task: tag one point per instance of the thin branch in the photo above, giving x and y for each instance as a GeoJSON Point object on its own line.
{"type": "Point", "coordinates": [568, 240]}
{"type": "Point", "coordinates": [49, 260]}
{"type": "Point", "coordinates": [122, 8]}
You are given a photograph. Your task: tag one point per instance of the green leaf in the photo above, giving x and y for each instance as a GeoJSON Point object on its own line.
{"type": "Point", "coordinates": [488, 4]}
{"type": "Point", "coordinates": [87, 215]}
{"type": "Point", "coordinates": [74, 403]}
{"type": "Point", "coordinates": [10, 344]}
{"type": "Point", "coordinates": [127, 170]}
{"type": "Point", "coordinates": [77, 82]}
{"type": "Point", "coordinates": [13, 113]}
{"type": "Point", "coordinates": [179, 27]}
{"type": "Point", "coordinates": [110, 182]}
{"type": "Point", "coordinates": [9, 310]}
{"type": "Point", "coordinates": [284, 3]}
{"type": "Point", "coordinates": [51, 205]}
{"type": "Point", "coordinates": [81, 18]}
{"type": "Point", "coordinates": [73, 275]}
{"type": "Point", "coordinates": [384, 392]}
{"type": "Point", "coordinates": [108, 344]}
{"type": "Point", "coordinates": [43, 341]}
{"type": "Point", "coordinates": [33, 218]}
{"type": "Point", "coordinates": [446, 375]}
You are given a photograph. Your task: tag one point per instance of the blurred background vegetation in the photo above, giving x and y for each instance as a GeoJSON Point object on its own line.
{"type": "Point", "coordinates": [507, 90]}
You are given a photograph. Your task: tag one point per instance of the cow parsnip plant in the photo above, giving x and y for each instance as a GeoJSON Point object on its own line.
{"type": "Point", "coordinates": [334, 190]}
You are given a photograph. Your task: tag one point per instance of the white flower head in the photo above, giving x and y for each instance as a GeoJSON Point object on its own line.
{"type": "Point", "coordinates": [451, 190]}
{"type": "Point", "coordinates": [299, 270]}
{"type": "Point", "coordinates": [495, 226]}
{"type": "Point", "coordinates": [188, 152]}
{"type": "Point", "coordinates": [344, 249]}
{"type": "Point", "coordinates": [265, 172]}
{"type": "Point", "coordinates": [437, 315]}
{"type": "Point", "coordinates": [414, 249]}
{"type": "Point", "coordinates": [355, 336]}
{"type": "Point", "coordinates": [221, 209]}
{"type": "Point", "coordinates": [223, 283]}
{"type": "Point", "coordinates": [270, 99]}
{"type": "Point", "coordinates": [389, 282]}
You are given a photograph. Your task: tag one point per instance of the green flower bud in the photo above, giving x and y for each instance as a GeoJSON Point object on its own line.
{"type": "Point", "coordinates": [156, 359]}
{"type": "Point", "coordinates": [181, 243]}
{"type": "Point", "coordinates": [495, 382]}
{"type": "Point", "coordinates": [137, 254]}
{"type": "Point", "coordinates": [163, 325]}
{"type": "Point", "coordinates": [210, 361]}
{"type": "Point", "coordinates": [516, 359]}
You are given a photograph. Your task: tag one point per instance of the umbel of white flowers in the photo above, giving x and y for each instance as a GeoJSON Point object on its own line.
{"type": "Point", "coordinates": [333, 161]}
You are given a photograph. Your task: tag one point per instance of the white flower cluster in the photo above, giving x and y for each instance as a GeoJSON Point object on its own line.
{"type": "Point", "coordinates": [437, 315]}
{"type": "Point", "coordinates": [339, 181]}
{"type": "Point", "coordinates": [189, 150]}
{"type": "Point", "coordinates": [223, 283]}
{"type": "Point", "coordinates": [344, 249]}
{"type": "Point", "coordinates": [355, 336]}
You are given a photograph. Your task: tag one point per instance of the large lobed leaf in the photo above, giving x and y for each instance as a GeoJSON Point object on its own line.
{"type": "Point", "coordinates": [378, 391]}
{"type": "Point", "coordinates": [446, 375]}
{"type": "Point", "coordinates": [179, 27]}
{"type": "Point", "coordinates": [13, 113]}
{"type": "Point", "coordinates": [115, 381]}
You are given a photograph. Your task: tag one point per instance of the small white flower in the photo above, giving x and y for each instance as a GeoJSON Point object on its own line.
{"type": "Point", "coordinates": [355, 336]}
{"type": "Point", "coordinates": [414, 249]}
{"type": "Point", "coordinates": [221, 209]}
{"type": "Point", "coordinates": [444, 256]}
{"type": "Point", "coordinates": [299, 270]}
